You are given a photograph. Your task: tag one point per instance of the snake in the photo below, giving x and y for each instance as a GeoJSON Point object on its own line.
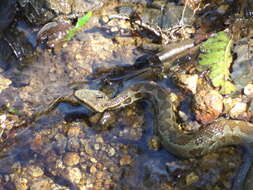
{"type": "Point", "coordinates": [186, 144]}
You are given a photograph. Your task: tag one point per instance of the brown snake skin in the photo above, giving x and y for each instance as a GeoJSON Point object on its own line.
{"type": "Point", "coordinates": [184, 144]}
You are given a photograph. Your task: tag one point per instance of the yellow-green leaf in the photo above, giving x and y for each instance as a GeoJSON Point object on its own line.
{"type": "Point", "coordinates": [216, 56]}
{"type": "Point", "coordinates": [79, 25]}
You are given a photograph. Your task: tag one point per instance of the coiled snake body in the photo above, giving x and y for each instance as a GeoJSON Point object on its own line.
{"type": "Point", "coordinates": [218, 134]}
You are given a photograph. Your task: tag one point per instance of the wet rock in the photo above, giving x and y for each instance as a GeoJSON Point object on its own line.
{"type": "Point", "coordinates": [7, 13]}
{"type": "Point", "coordinates": [61, 143]}
{"type": "Point", "coordinates": [16, 168]}
{"type": "Point", "coordinates": [62, 6]}
{"type": "Point", "coordinates": [100, 175]}
{"type": "Point", "coordinates": [100, 139]}
{"type": "Point", "coordinates": [208, 105]}
{"type": "Point", "coordinates": [37, 142]}
{"type": "Point", "coordinates": [154, 143]}
{"type": "Point", "coordinates": [191, 178]}
{"type": "Point", "coordinates": [242, 73]}
{"type": "Point", "coordinates": [51, 157]}
{"type": "Point", "coordinates": [193, 4]}
{"type": "Point", "coordinates": [40, 12]}
{"type": "Point", "coordinates": [71, 159]}
{"type": "Point", "coordinates": [20, 43]}
{"type": "Point", "coordinates": [96, 146]}
{"type": "Point", "coordinates": [82, 6]}
{"type": "Point", "coordinates": [35, 171]}
{"type": "Point", "coordinates": [107, 120]}
{"type": "Point", "coordinates": [59, 164]}
{"type": "Point", "coordinates": [73, 144]}
{"type": "Point", "coordinates": [36, 12]}
{"type": "Point", "coordinates": [213, 19]}
{"type": "Point", "coordinates": [188, 81]}
{"type": "Point", "coordinates": [73, 131]}
{"type": "Point", "coordinates": [7, 122]}
{"type": "Point", "coordinates": [238, 110]}
{"type": "Point", "coordinates": [88, 149]}
{"type": "Point", "coordinates": [242, 66]}
{"type": "Point", "coordinates": [93, 169]}
{"type": "Point", "coordinates": [5, 54]}
{"type": "Point", "coordinates": [59, 187]}
{"type": "Point", "coordinates": [111, 152]}
{"type": "Point", "coordinates": [93, 160]}
{"type": "Point", "coordinates": [53, 33]}
{"type": "Point", "coordinates": [248, 90]}
{"type": "Point", "coordinates": [209, 161]}
{"type": "Point", "coordinates": [183, 116]}
{"type": "Point", "coordinates": [74, 175]}
{"type": "Point", "coordinates": [4, 83]}
{"type": "Point", "coordinates": [104, 121]}
{"type": "Point", "coordinates": [21, 184]}
{"type": "Point", "coordinates": [229, 103]}
{"type": "Point", "coordinates": [167, 18]}
{"type": "Point", "coordinates": [133, 1]}
{"type": "Point", "coordinates": [125, 160]}
{"type": "Point", "coordinates": [41, 184]}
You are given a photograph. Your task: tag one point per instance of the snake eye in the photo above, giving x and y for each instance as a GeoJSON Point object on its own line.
{"type": "Point", "coordinates": [99, 96]}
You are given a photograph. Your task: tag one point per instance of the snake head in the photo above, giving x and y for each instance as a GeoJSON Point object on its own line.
{"type": "Point", "coordinates": [95, 99]}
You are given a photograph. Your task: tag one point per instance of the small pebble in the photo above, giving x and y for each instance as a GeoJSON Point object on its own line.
{"type": "Point", "coordinates": [114, 29]}
{"type": "Point", "coordinates": [40, 184]}
{"type": "Point", "coordinates": [93, 160]}
{"type": "Point", "coordinates": [99, 175]}
{"type": "Point", "coordinates": [248, 90]}
{"type": "Point", "coordinates": [105, 19]}
{"type": "Point", "coordinates": [125, 160]}
{"type": "Point", "coordinates": [4, 83]}
{"type": "Point", "coordinates": [154, 143]}
{"type": "Point", "coordinates": [93, 169]}
{"type": "Point", "coordinates": [74, 175]}
{"type": "Point", "coordinates": [73, 131]}
{"type": "Point", "coordinates": [71, 159]}
{"type": "Point", "coordinates": [73, 144]}
{"type": "Point", "coordinates": [189, 82]}
{"type": "Point", "coordinates": [191, 178]}
{"type": "Point", "coordinates": [96, 146]}
{"type": "Point", "coordinates": [16, 167]}
{"type": "Point", "coordinates": [100, 140]}
{"type": "Point", "coordinates": [111, 152]}
{"type": "Point", "coordinates": [238, 109]}
{"type": "Point", "coordinates": [208, 105]}
{"type": "Point", "coordinates": [59, 164]}
{"type": "Point", "coordinates": [21, 184]}
{"type": "Point", "coordinates": [79, 56]}
{"type": "Point", "coordinates": [35, 171]}
{"type": "Point", "coordinates": [88, 149]}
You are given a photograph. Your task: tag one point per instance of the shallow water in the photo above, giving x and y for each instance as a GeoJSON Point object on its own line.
{"type": "Point", "coordinates": [115, 158]}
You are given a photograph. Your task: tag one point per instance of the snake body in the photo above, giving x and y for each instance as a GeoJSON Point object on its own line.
{"type": "Point", "coordinates": [184, 144]}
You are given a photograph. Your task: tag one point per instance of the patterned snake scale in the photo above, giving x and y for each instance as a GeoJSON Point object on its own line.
{"type": "Point", "coordinates": [220, 133]}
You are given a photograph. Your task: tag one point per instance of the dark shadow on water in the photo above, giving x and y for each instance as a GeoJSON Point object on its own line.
{"type": "Point", "coordinates": [149, 168]}
{"type": "Point", "coordinates": [72, 112]}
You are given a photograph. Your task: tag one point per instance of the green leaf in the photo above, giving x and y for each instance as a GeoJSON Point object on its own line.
{"type": "Point", "coordinates": [13, 111]}
{"type": "Point", "coordinates": [79, 25]}
{"type": "Point", "coordinates": [216, 56]}
{"type": "Point", "coordinates": [228, 88]}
